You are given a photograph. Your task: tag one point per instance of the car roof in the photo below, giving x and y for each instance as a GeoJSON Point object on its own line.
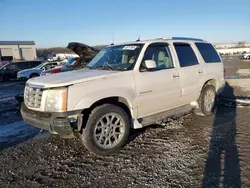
{"type": "Point", "coordinates": [163, 39]}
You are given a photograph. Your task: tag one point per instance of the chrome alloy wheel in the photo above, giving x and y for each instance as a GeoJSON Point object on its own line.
{"type": "Point", "coordinates": [209, 99]}
{"type": "Point", "coordinates": [109, 130]}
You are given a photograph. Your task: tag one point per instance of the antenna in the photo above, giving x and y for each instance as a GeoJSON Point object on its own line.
{"type": "Point", "coordinates": [113, 35]}
{"type": "Point", "coordinates": [138, 39]}
{"type": "Point", "coordinates": [113, 38]}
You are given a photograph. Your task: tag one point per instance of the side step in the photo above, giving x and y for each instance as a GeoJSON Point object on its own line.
{"type": "Point", "coordinates": [163, 115]}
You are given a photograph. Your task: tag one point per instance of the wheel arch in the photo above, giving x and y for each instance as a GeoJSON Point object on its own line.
{"type": "Point", "coordinates": [210, 82]}
{"type": "Point", "coordinates": [33, 73]}
{"type": "Point", "coordinates": [116, 100]}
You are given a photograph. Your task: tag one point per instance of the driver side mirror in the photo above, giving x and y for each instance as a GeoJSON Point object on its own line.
{"type": "Point", "coordinates": [150, 64]}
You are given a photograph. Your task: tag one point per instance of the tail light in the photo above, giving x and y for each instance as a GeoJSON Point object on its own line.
{"type": "Point", "coordinates": [224, 73]}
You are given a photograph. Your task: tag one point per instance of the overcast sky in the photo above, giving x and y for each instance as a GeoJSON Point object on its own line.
{"type": "Point", "coordinates": [57, 22]}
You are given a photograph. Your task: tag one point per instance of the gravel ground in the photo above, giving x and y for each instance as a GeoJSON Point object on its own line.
{"type": "Point", "coordinates": [232, 68]}
{"type": "Point", "coordinates": [187, 151]}
{"type": "Point", "coordinates": [10, 89]}
{"type": "Point", "coordinates": [190, 151]}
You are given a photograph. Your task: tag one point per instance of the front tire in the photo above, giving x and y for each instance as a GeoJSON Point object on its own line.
{"type": "Point", "coordinates": [107, 129]}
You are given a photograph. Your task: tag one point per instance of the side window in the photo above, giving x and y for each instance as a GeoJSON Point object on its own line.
{"type": "Point", "coordinates": [208, 52]}
{"type": "Point", "coordinates": [185, 54]}
{"type": "Point", "coordinates": [22, 65]}
{"type": "Point", "coordinates": [11, 67]}
{"type": "Point", "coordinates": [34, 64]}
{"type": "Point", "coordinates": [160, 54]}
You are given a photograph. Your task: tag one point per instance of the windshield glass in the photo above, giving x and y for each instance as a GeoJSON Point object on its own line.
{"type": "Point", "coordinates": [70, 61]}
{"type": "Point", "coordinates": [122, 57]}
{"type": "Point", "coordinates": [40, 66]}
{"type": "Point", "coordinates": [2, 67]}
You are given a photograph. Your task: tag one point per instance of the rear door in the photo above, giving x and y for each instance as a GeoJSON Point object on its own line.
{"type": "Point", "coordinates": [157, 90]}
{"type": "Point", "coordinates": [212, 63]}
{"type": "Point", "coordinates": [23, 65]}
{"type": "Point", "coordinates": [191, 72]}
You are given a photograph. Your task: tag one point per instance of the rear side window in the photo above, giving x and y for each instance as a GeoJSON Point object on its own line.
{"type": "Point", "coordinates": [23, 65]}
{"type": "Point", "coordinates": [34, 63]}
{"type": "Point", "coordinates": [208, 52]}
{"type": "Point", "coordinates": [185, 54]}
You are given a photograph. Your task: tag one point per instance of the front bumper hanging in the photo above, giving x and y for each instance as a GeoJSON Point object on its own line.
{"type": "Point", "coordinates": [56, 123]}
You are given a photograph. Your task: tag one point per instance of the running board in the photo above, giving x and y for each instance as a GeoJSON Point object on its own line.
{"type": "Point", "coordinates": [142, 122]}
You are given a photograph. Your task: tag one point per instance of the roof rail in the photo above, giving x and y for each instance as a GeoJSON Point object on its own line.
{"type": "Point", "coordinates": [180, 38]}
{"type": "Point", "coordinates": [186, 38]}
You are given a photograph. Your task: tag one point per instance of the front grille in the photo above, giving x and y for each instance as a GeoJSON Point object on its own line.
{"type": "Point", "coordinates": [33, 96]}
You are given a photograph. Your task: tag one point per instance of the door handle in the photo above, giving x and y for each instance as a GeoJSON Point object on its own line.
{"type": "Point", "coordinates": [176, 76]}
{"type": "Point", "coordinates": [200, 71]}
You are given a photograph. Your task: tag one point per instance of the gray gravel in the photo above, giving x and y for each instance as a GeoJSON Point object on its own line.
{"type": "Point", "coordinates": [176, 153]}
{"type": "Point", "coordinates": [188, 151]}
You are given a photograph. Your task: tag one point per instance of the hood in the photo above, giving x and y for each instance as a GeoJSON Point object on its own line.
{"type": "Point", "coordinates": [81, 49]}
{"type": "Point", "coordinates": [72, 77]}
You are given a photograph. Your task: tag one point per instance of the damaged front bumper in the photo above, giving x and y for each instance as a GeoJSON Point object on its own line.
{"type": "Point", "coordinates": [60, 123]}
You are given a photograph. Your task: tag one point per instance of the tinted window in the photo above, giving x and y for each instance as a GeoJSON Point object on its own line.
{"type": "Point", "coordinates": [160, 54]}
{"type": "Point", "coordinates": [22, 65]}
{"type": "Point", "coordinates": [185, 54]}
{"type": "Point", "coordinates": [11, 67]}
{"type": "Point", "coordinates": [34, 63]}
{"type": "Point", "coordinates": [208, 52]}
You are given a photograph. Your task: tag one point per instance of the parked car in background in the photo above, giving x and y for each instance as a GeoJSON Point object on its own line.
{"type": "Point", "coordinates": [36, 71]}
{"type": "Point", "coordinates": [10, 70]}
{"type": "Point", "coordinates": [85, 53]}
{"type": "Point", "coordinates": [246, 56]}
{"type": "Point", "coordinates": [70, 65]}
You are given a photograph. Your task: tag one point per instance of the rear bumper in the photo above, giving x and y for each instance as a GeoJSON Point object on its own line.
{"type": "Point", "coordinates": [56, 123]}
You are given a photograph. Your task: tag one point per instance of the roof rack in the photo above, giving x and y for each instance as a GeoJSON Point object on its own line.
{"type": "Point", "coordinates": [181, 38]}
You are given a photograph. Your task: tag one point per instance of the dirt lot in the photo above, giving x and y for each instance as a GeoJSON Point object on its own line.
{"type": "Point", "coordinates": [189, 151]}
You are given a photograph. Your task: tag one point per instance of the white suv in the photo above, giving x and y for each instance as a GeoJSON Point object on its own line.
{"type": "Point", "coordinates": [126, 86]}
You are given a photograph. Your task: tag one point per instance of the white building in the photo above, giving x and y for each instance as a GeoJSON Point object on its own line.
{"type": "Point", "coordinates": [17, 50]}
{"type": "Point", "coordinates": [233, 45]}
{"type": "Point", "coordinates": [234, 48]}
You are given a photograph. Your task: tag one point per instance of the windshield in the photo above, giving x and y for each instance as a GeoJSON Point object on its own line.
{"type": "Point", "coordinates": [70, 61]}
{"type": "Point", "coordinates": [40, 66]}
{"type": "Point", "coordinates": [122, 57]}
{"type": "Point", "coordinates": [2, 67]}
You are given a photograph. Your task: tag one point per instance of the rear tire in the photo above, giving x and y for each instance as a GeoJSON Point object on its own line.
{"type": "Point", "coordinates": [207, 101]}
{"type": "Point", "coordinates": [107, 129]}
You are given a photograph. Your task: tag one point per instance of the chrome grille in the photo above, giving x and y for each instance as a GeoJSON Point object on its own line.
{"type": "Point", "coordinates": [33, 97]}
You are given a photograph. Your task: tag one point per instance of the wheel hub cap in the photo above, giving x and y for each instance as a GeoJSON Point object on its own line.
{"type": "Point", "coordinates": [209, 100]}
{"type": "Point", "coordinates": [109, 130]}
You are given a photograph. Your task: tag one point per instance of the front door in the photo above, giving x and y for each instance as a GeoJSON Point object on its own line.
{"type": "Point", "coordinates": [10, 71]}
{"type": "Point", "coordinates": [159, 89]}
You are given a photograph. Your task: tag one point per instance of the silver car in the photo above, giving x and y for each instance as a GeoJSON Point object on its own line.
{"type": "Point", "coordinates": [36, 71]}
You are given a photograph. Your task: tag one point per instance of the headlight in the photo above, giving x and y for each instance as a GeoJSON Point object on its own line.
{"type": "Point", "coordinates": [56, 100]}
{"type": "Point", "coordinates": [20, 73]}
